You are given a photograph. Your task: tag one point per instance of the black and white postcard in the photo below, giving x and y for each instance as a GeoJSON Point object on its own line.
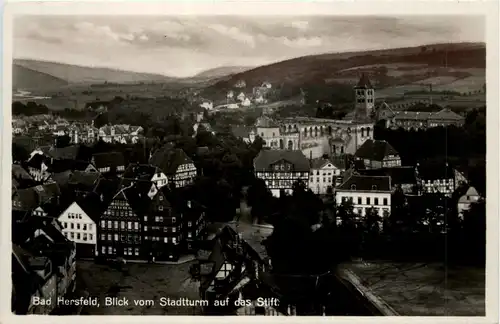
{"type": "Point", "coordinates": [251, 159]}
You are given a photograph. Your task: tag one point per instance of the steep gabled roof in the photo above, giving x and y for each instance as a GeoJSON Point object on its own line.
{"type": "Point", "coordinates": [265, 158]}
{"type": "Point", "coordinates": [364, 82]}
{"type": "Point", "coordinates": [168, 159]}
{"type": "Point", "coordinates": [91, 205]}
{"type": "Point", "coordinates": [18, 172]}
{"type": "Point", "coordinates": [446, 114]}
{"type": "Point", "coordinates": [366, 183]}
{"type": "Point", "coordinates": [375, 150]}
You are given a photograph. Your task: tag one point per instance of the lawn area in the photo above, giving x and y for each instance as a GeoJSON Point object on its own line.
{"type": "Point", "coordinates": [140, 281]}
{"type": "Point", "coordinates": [421, 289]}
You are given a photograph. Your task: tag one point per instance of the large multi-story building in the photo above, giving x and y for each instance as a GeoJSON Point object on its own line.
{"type": "Point", "coordinates": [318, 136]}
{"type": "Point", "coordinates": [366, 192]}
{"type": "Point", "coordinates": [280, 169]}
{"type": "Point", "coordinates": [413, 120]}
{"type": "Point", "coordinates": [325, 173]}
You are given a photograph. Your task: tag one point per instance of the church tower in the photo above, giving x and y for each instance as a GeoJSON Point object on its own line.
{"type": "Point", "coordinates": [364, 95]}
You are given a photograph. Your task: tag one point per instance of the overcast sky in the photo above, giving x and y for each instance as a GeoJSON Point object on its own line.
{"type": "Point", "coordinates": [183, 46]}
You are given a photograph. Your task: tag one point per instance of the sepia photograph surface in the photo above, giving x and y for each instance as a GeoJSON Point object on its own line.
{"type": "Point", "coordinates": [249, 165]}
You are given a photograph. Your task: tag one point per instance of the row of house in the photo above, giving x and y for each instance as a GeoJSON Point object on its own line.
{"type": "Point", "coordinates": [43, 266]}
{"type": "Point", "coordinates": [367, 180]}
{"type": "Point", "coordinates": [85, 195]}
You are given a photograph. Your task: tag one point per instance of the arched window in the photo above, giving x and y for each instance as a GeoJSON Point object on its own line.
{"type": "Point", "coordinates": [362, 132]}
{"type": "Point", "coordinates": [368, 132]}
{"type": "Point", "coordinates": [290, 145]}
{"type": "Point", "coordinates": [305, 132]}
{"type": "Point", "coordinates": [374, 187]}
{"type": "Point", "coordinates": [316, 131]}
{"type": "Point", "coordinates": [353, 187]}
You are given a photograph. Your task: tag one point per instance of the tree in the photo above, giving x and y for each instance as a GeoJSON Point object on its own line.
{"type": "Point", "coordinates": [19, 153]}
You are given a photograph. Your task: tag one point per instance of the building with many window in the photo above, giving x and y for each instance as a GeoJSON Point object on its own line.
{"type": "Point", "coordinates": [325, 173]}
{"type": "Point", "coordinates": [79, 224]}
{"type": "Point", "coordinates": [280, 169]}
{"type": "Point", "coordinates": [120, 231]}
{"type": "Point", "coordinates": [366, 192]}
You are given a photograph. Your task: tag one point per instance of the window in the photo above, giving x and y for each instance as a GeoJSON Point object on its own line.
{"type": "Point", "coordinates": [72, 235]}
{"type": "Point", "coordinates": [84, 236]}
{"type": "Point", "coordinates": [174, 240]}
{"type": "Point", "coordinates": [161, 198]}
{"type": "Point", "coordinates": [122, 224]}
{"type": "Point", "coordinates": [77, 226]}
{"type": "Point", "coordinates": [116, 224]}
{"type": "Point", "coordinates": [103, 237]}
{"type": "Point", "coordinates": [72, 226]}
{"type": "Point", "coordinates": [136, 225]}
{"type": "Point", "coordinates": [110, 250]}
{"type": "Point", "coordinates": [165, 239]}
{"type": "Point", "coordinates": [189, 234]}
{"type": "Point", "coordinates": [174, 229]}
{"type": "Point", "coordinates": [374, 187]}
{"type": "Point", "coordinates": [103, 250]}
{"type": "Point", "coordinates": [368, 200]}
{"type": "Point", "coordinates": [77, 236]}
{"type": "Point", "coordinates": [129, 225]}
{"type": "Point", "coordinates": [84, 227]}
{"type": "Point", "coordinates": [157, 219]}
{"type": "Point", "coordinates": [90, 227]}
{"type": "Point", "coordinates": [109, 237]}
{"type": "Point", "coordinates": [110, 224]}
{"type": "Point", "coordinates": [360, 201]}
{"type": "Point", "coordinates": [190, 224]}
{"type": "Point", "coordinates": [136, 251]}
{"type": "Point", "coordinates": [116, 237]}
{"type": "Point", "coordinates": [353, 187]}
{"type": "Point", "coordinates": [376, 201]}
{"type": "Point", "coordinates": [91, 237]}
{"type": "Point", "coordinates": [160, 208]}
{"type": "Point", "coordinates": [145, 218]}
{"type": "Point", "coordinates": [173, 219]}
{"type": "Point", "coordinates": [385, 201]}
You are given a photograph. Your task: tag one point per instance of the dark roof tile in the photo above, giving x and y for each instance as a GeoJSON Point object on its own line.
{"type": "Point", "coordinates": [266, 158]}
{"type": "Point", "coordinates": [366, 183]}
{"type": "Point", "coordinates": [375, 150]}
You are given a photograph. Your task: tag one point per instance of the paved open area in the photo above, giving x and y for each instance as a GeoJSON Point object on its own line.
{"type": "Point", "coordinates": [139, 281]}
{"type": "Point", "coordinates": [422, 289]}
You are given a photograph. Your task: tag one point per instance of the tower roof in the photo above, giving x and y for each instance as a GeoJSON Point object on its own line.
{"type": "Point", "coordinates": [364, 82]}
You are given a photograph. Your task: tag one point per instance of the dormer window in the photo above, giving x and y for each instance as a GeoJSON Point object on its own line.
{"type": "Point", "coordinates": [353, 187]}
{"type": "Point", "coordinates": [374, 187]}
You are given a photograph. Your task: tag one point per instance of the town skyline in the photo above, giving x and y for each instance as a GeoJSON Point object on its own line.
{"type": "Point", "coordinates": [196, 44]}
